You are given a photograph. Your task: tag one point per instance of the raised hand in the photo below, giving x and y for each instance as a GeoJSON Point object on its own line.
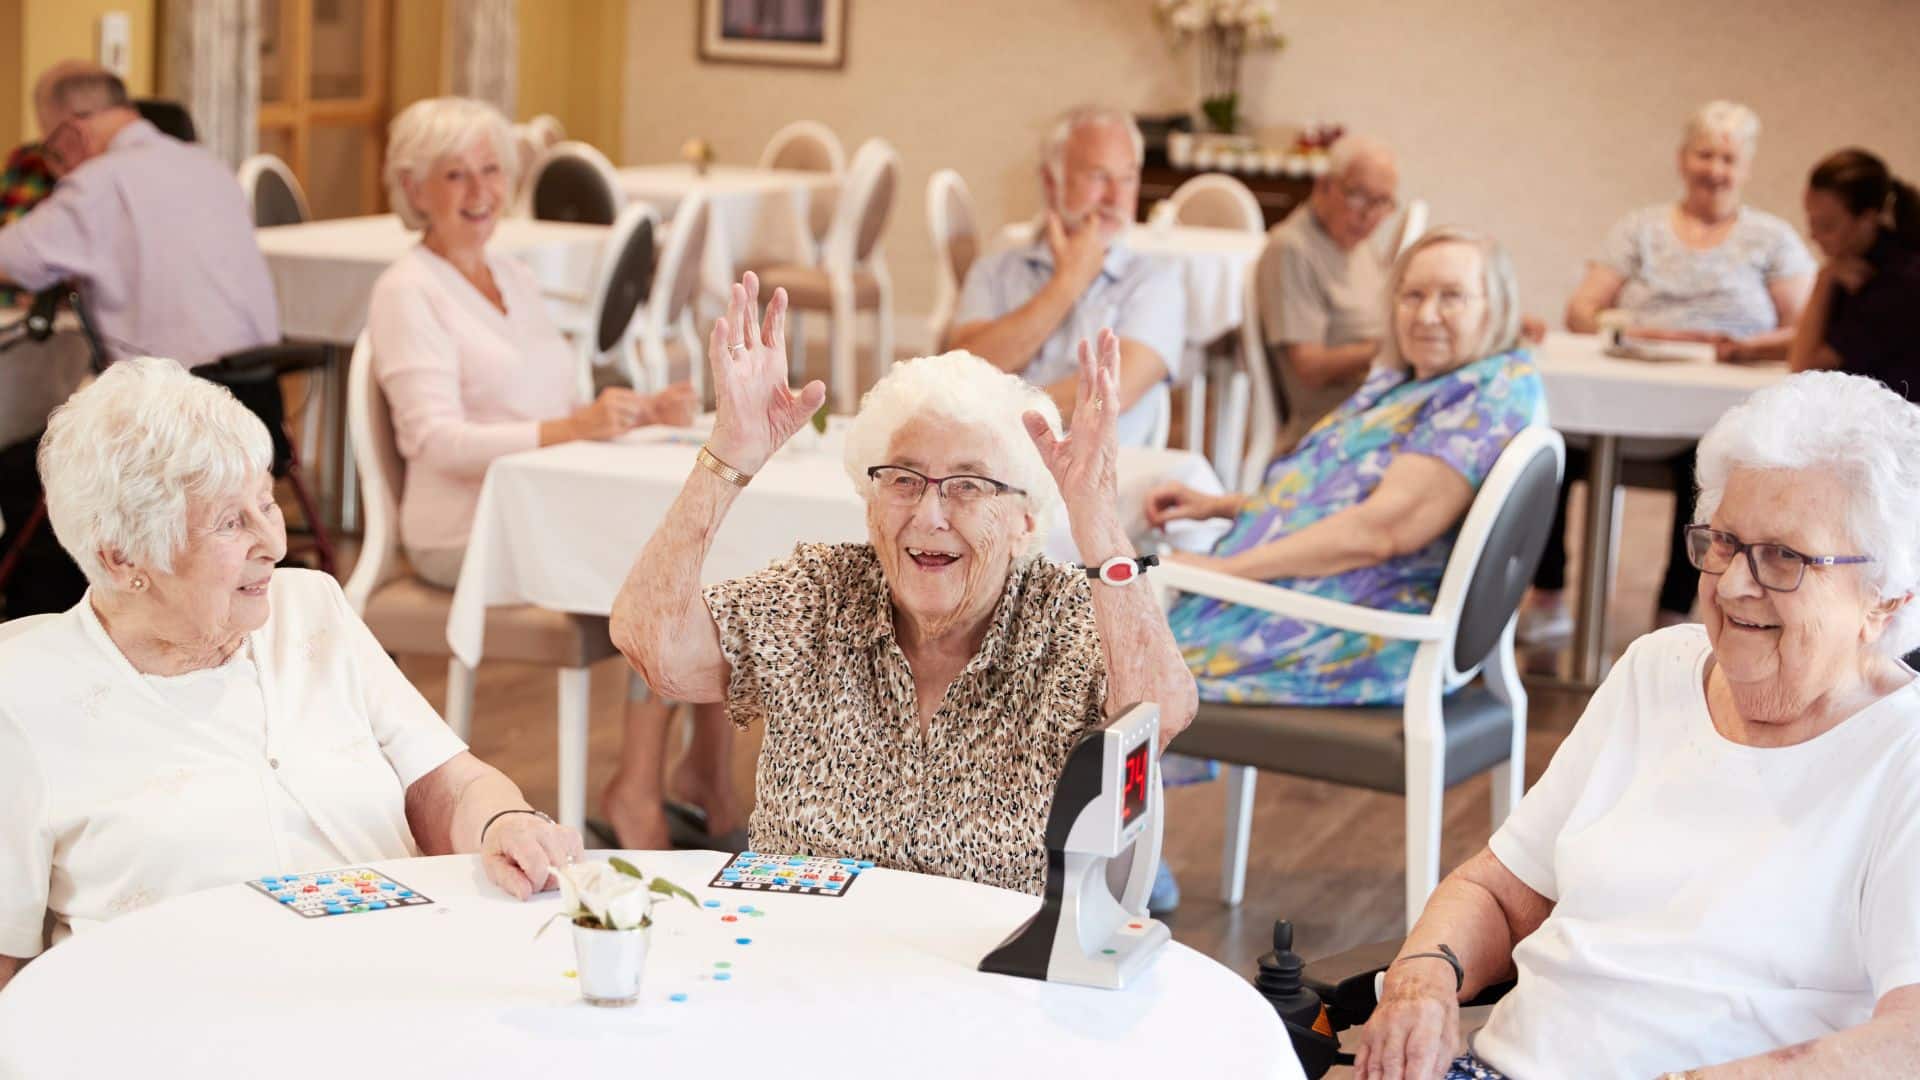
{"type": "Point", "coordinates": [756, 412]}
{"type": "Point", "coordinates": [1084, 463]}
{"type": "Point", "coordinates": [1079, 254]}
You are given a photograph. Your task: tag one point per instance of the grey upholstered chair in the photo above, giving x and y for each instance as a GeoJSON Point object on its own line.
{"type": "Point", "coordinates": [1452, 727]}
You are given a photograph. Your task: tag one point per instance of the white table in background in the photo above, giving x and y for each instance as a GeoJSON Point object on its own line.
{"type": "Point", "coordinates": [1611, 398]}
{"type": "Point", "coordinates": [882, 982]}
{"type": "Point", "coordinates": [560, 527]}
{"type": "Point", "coordinates": [756, 217]}
{"type": "Point", "coordinates": [323, 271]}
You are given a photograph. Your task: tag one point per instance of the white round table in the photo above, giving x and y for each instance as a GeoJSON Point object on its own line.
{"type": "Point", "coordinates": [881, 982]}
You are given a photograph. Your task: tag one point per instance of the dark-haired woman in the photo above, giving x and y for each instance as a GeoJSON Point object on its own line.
{"type": "Point", "coordinates": [1864, 316]}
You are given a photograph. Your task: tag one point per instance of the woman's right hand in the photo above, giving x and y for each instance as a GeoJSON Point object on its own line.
{"type": "Point", "coordinates": [1173, 501]}
{"type": "Point", "coordinates": [755, 411]}
{"type": "Point", "coordinates": [614, 413]}
{"type": "Point", "coordinates": [1415, 1030]}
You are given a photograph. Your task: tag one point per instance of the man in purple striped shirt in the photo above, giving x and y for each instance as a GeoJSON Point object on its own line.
{"type": "Point", "coordinates": [157, 232]}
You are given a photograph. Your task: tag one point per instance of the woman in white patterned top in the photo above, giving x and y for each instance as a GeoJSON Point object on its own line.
{"type": "Point", "coordinates": [920, 691]}
{"type": "Point", "coordinates": [1707, 269]}
{"type": "Point", "coordinates": [200, 718]}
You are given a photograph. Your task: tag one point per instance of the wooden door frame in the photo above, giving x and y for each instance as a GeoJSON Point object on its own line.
{"type": "Point", "coordinates": [297, 113]}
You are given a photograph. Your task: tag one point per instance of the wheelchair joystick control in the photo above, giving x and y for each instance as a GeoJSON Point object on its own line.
{"type": "Point", "coordinates": [1300, 1008]}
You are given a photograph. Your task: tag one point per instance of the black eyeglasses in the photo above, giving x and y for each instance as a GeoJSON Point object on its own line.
{"type": "Point", "coordinates": [1774, 566]}
{"type": "Point", "coordinates": [902, 486]}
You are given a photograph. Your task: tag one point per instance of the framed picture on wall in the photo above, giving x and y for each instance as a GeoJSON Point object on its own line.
{"type": "Point", "coordinates": [803, 33]}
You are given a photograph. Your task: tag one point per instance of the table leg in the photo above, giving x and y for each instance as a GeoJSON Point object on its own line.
{"type": "Point", "coordinates": [1596, 560]}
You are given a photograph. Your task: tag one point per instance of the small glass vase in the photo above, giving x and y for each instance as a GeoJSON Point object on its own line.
{"type": "Point", "coordinates": [610, 964]}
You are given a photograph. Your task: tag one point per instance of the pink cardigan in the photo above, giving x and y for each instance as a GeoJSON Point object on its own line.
{"type": "Point", "coordinates": [466, 383]}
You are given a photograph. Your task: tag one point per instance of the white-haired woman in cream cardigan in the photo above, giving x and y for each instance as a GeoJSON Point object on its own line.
{"type": "Point", "coordinates": [200, 717]}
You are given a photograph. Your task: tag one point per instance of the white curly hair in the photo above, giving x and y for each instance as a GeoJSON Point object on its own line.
{"type": "Point", "coordinates": [962, 387]}
{"type": "Point", "coordinates": [122, 457]}
{"type": "Point", "coordinates": [1863, 432]}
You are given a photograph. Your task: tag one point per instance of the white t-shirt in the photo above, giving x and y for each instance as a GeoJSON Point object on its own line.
{"type": "Point", "coordinates": [1713, 901]}
{"type": "Point", "coordinates": [118, 790]}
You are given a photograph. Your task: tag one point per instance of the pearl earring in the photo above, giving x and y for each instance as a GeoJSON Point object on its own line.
{"type": "Point", "coordinates": [139, 583]}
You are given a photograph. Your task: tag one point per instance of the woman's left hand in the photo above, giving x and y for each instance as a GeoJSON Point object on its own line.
{"type": "Point", "coordinates": [520, 851]}
{"type": "Point", "coordinates": [1083, 463]}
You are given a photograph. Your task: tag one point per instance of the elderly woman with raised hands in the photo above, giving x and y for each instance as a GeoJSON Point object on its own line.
{"type": "Point", "coordinates": [1719, 873]}
{"type": "Point", "coordinates": [464, 349]}
{"type": "Point", "coordinates": [1366, 509]}
{"type": "Point", "coordinates": [200, 718]}
{"type": "Point", "coordinates": [920, 691]}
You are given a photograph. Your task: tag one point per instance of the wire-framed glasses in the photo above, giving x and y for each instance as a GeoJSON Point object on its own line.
{"type": "Point", "coordinates": [1774, 566]}
{"type": "Point", "coordinates": [902, 486]}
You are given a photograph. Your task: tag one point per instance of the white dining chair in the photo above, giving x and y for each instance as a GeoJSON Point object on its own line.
{"type": "Point", "coordinates": [273, 192]}
{"type": "Point", "coordinates": [574, 182]}
{"type": "Point", "coordinates": [669, 310]}
{"type": "Point", "coordinates": [604, 324]}
{"type": "Point", "coordinates": [956, 243]}
{"type": "Point", "coordinates": [808, 146]}
{"type": "Point", "coordinates": [852, 275]}
{"type": "Point", "coordinates": [1212, 201]}
{"type": "Point", "coordinates": [408, 616]}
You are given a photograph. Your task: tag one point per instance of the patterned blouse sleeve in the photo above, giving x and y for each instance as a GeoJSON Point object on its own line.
{"type": "Point", "coordinates": [1471, 419]}
{"type": "Point", "coordinates": [770, 622]}
{"type": "Point", "coordinates": [1076, 665]}
{"type": "Point", "coordinates": [1789, 257]}
{"type": "Point", "coordinates": [1621, 253]}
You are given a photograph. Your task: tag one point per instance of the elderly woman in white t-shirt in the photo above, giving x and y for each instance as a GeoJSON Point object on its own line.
{"type": "Point", "coordinates": [200, 718]}
{"type": "Point", "coordinates": [1719, 873]}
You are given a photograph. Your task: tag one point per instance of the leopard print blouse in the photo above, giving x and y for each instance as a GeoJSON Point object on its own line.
{"type": "Point", "coordinates": [844, 771]}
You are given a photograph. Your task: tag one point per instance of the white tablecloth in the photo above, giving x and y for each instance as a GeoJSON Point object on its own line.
{"type": "Point", "coordinates": [1213, 262]}
{"type": "Point", "coordinates": [882, 982]}
{"type": "Point", "coordinates": [560, 527]}
{"type": "Point", "coordinates": [1591, 393]}
{"type": "Point", "coordinates": [323, 271]}
{"type": "Point", "coordinates": [756, 217]}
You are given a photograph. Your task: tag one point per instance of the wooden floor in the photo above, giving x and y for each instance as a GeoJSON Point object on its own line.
{"type": "Point", "coordinates": [1325, 856]}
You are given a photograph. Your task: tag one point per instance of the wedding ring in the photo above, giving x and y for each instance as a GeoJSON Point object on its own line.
{"type": "Point", "coordinates": [736, 345]}
{"type": "Point", "coordinates": [1096, 404]}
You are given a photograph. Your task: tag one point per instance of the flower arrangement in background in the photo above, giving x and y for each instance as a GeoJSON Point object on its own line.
{"type": "Point", "coordinates": [1225, 31]}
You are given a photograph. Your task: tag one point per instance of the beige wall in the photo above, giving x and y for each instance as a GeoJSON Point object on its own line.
{"type": "Point", "coordinates": [571, 52]}
{"type": "Point", "coordinates": [36, 33]}
{"type": "Point", "coordinates": [1540, 120]}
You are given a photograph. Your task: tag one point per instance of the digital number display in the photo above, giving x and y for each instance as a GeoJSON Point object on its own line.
{"type": "Point", "coordinates": [1133, 801]}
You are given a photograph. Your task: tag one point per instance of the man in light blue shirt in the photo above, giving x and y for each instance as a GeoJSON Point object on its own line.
{"type": "Point", "coordinates": [1028, 309]}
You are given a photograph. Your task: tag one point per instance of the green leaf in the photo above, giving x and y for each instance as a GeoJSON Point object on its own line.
{"type": "Point", "coordinates": [820, 420]}
{"type": "Point", "coordinates": [625, 867]}
{"type": "Point", "coordinates": [557, 916]}
{"type": "Point", "coordinates": [663, 887]}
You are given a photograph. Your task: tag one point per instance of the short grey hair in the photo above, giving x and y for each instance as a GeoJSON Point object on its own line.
{"type": "Point", "coordinates": [1724, 120]}
{"type": "Point", "coordinates": [1350, 150]}
{"type": "Point", "coordinates": [962, 387]}
{"type": "Point", "coordinates": [1497, 280]}
{"type": "Point", "coordinates": [1863, 432]}
{"type": "Point", "coordinates": [122, 457]}
{"type": "Point", "coordinates": [431, 129]}
{"type": "Point", "coordinates": [1053, 152]}
{"type": "Point", "coordinates": [88, 91]}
